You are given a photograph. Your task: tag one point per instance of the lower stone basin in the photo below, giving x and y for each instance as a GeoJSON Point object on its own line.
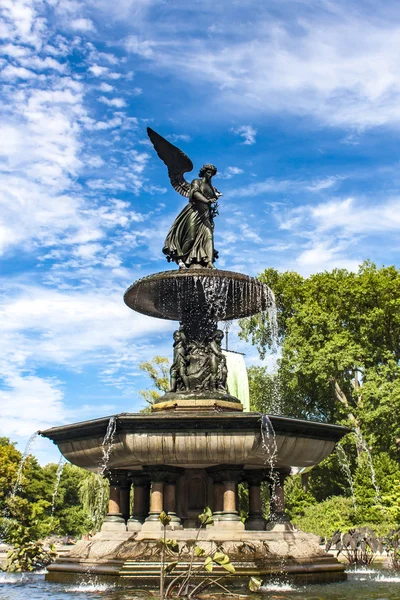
{"type": "Point", "coordinates": [197, 441]}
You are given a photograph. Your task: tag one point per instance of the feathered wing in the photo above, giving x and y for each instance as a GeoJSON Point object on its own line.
{"type": "Point", "coordinates": [176, 160]}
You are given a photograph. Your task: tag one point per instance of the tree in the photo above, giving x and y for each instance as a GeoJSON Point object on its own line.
{"type": "Point", "coordinates": [158, 371]}
{"type": "Point", "coordinates": [340, 340]}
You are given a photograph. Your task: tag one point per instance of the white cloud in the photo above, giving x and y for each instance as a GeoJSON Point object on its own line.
{"type": "Point", "coordinates": [230, 172]}
{"type": "Point", "coordinates": [247, 133]}
{"type": "Point", "coordinates": [106, 87]}
{"type": "Point", "coordinates": [29, 403]}
{"type": "Point", "coordinates": [330, 61]}
{"type": "Point", "coordinates": [12, 72]}
{"type": "Point", "coordinates": [142, 48]}
{"type": "Point", "coordinates": [82, 25]}
{"type": "Point", "coordinates": [273, 186]}
{"type": "Point", "coordinates": [98, 70]}
{"type": "Point", "coordinates": [116, 102]}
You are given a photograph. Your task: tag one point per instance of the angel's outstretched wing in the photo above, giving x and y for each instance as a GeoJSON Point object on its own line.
{"type": "Point", "coordinates": [176, 160]}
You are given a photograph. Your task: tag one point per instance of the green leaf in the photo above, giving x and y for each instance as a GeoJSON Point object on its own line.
{"type": "Point", "coordinates": [199, 551]}
{"type": "Point", "coordinates": [254, 584]}
{"type": "Point", "coordinates": [164, 518]}
{"type": "Point", "coordinates": [171, 566]}
{"type": "Point", "coordinates": [206, 517]}
{"type": "Point", "coordinates": [208, 564]}
{"type": "Point", "coordinates": [172, 545]}
{"type": "Point", "coordinates": [228, 567]}
{"type": "Point", "coordinates": [220, 558]}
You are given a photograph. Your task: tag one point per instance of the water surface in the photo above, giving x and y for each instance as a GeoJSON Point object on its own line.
{"type": "Point", "coordinates": [362, 584]}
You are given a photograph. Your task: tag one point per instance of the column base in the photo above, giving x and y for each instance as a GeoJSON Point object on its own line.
{"type": "Point", "coordinates": [217, 515]}
{"type": "Point", "coordinates": [229, 525]}
{"type": "Point", "coordinates": [153, 517]}
{"type": "Point", "coordinates": [255, 522]}
{"type": "Point", "coordinates": [113, 522]}
{"type": "Point", "coordinates": [229, 516]}
{"type": "Point", "coordinates": [151, 526]}
{"type": "Point", "coordinates": [175, 522]}
{"type": "Point", "coordinates": [134, 524]}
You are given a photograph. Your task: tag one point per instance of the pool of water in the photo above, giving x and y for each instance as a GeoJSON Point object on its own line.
{"type": "Point", "coordinates": [362, 584]}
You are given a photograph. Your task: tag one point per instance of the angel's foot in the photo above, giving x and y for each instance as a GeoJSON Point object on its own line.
{"type": "Point", "coordinates": [181, 264]}
{"type": "Point", "coordinates": [210, 265]}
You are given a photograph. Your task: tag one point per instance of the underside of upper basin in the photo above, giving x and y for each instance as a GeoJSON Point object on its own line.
{"type": "Point", "coordinates": [176, 294]}
{"type": "Point", "coordinates": [197, 441]}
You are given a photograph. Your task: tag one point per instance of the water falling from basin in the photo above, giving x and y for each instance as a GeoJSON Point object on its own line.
{"type": "Point", "coordinates": [345, 466]}
{"type": "Point", "coordinates": [60, 468]}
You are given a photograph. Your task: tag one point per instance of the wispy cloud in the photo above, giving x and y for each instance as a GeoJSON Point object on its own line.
{"type": "Point", "coordinates": [247, 133]}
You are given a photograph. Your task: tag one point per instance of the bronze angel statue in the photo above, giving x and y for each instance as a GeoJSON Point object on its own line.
{"type": "Point", "coordinates": [190, 241]}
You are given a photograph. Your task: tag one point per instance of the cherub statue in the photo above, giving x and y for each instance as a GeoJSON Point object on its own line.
{"type": "Point", "coordinates": [218, 368]}
{"type": "Point", "coordinates": [178, 368]}
{"type": "Point", "coordinates": [190, 240]}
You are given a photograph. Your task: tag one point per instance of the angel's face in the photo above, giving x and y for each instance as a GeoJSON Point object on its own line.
{"type": "Point", "coordinates": [209, 173]}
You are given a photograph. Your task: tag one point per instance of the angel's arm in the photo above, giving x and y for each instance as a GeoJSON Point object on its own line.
{"type": "Point", "coordinates": [201, 198]}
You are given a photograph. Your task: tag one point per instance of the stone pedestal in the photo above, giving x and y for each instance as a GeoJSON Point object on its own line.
{"type": "Point", "coordinates": [255, 521]}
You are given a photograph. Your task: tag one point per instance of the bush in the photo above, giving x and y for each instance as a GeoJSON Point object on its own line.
{"type": "Point", "coordinates": [325, 518]}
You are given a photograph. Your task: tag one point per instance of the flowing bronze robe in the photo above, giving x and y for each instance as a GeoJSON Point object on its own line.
{"type": "Point", "coordinates": [191, 237]}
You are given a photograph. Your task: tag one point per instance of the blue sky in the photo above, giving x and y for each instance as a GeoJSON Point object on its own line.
{"type": "Point", "coordinates": [297, 102]}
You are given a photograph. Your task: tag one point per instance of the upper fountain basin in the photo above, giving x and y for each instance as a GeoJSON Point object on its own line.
{"type": "Point", "coordinates": [195, 440]}
{"type": "Point", "coordinates": [175, 295]}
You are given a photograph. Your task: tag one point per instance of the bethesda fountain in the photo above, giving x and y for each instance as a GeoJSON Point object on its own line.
{"type": "Point", "coordinates": [197, 444]}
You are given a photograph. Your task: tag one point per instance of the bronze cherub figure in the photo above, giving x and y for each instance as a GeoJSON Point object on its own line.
{"type": "Point", "coordinates": [190, 241]}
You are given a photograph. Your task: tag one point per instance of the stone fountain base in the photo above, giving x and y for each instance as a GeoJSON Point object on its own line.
{"type": "Point", "coordinates": [180, 462]}
{"type": "Point", "coordinates": [133, 559]}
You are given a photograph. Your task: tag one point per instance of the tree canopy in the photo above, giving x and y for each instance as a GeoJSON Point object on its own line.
{"type": "Point", "coordinates": [339, 335]}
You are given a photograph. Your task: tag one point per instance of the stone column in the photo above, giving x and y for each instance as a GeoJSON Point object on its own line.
{"type": "Point", "coordinates": [114, 520]}
{"type": "Point", "coordinates": [218, 495]}
{"type": "Point", "coordinates": [229, 476]}
{"type": "Point", "coordinates": [161, 477]}
{"type": "Point", "coordinates": [218, 500]}
{"type": "Point", "coordinates": [125, 499]}
{"type": "Point", "coordinates": [171, 476]}
{"type": "Point", "coordinates": [277, 500]}
{"type": "Point", "coordinates": [156, 500]}
{"type": "Point", "coordinates": [141, 497]}
{"type": "Point", "coordinates": [255, 521]}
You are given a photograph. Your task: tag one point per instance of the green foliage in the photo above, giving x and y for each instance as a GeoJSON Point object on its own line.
{"type": "Point", "coordinates": [296, 499]}
{"type": "Point", "coordinates": [340, 341]}
{"type": "Point", "coordinates": [158, 371]}
{"type": "Point", "coordinates": [326, 517]}
{"type": "Point", "coordinates": [391, 544]}
{"type": "Point", "coordinates": [358, 546]}
{"type": "Point", "coordinates": [93, 492]}
{"type": "Point", "coordinates": [9, 461]}
{"type": "Point", "coordinates": [339, 335]}
{"type": "Point", "coordinates": [30, 507]}
{"type": "Point", "coordinates": [28, 554]}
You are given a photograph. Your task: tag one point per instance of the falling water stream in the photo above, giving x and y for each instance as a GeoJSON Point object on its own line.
{"type": "Point", "coordinates": [106, 449]}
{"type": "Point", "coordinates": [60, 468]}
{"type": "Point", "coordinates": [269, 445]}
{"type": "Point", "coordinates": [28, 450]}
{"type": "Point", "coordinates": [345, 466]}
{"type": "Point", "coordinates": [364, 446]}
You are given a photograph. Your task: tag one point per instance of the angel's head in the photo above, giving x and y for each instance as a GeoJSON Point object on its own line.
{"type": "Point", "coordinates": [209, 170]}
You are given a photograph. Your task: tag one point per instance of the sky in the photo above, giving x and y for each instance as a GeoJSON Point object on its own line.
{"type": "Point", "coordinates": [297, 103]}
